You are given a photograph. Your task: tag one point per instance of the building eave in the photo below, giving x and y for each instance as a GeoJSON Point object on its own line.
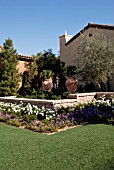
{"type": "Point", "coordinates": [90, 25]}
{"type": "Point", "coordinates": [25, 58]}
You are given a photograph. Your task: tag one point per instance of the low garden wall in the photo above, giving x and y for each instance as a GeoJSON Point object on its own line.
{"type": "Point", "coordinates": [82, 97]}
{"type": "Point", "coordinates": [54, 104]}
{"type": "Point", "coordinates": [88, 97]}
{"type": "Point", "coordinates": [107, 94]}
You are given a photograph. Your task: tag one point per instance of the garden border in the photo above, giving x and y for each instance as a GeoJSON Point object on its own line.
{"type": "Point", "coordinates": [55, 104]}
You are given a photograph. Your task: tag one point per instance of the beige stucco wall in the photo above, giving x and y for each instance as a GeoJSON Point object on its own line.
{"type": "Point", "coordinates": [67, 52]}
{"type": "Point", "coordinates": [21, 66]}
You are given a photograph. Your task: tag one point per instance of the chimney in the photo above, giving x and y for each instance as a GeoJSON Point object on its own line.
{"type": "Point", "coordinates": [63, 40]}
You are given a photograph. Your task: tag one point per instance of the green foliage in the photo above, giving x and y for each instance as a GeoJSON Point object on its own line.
{"type": "Point", "coordinates": [9, 74]}
{"type": "Point", "coordinates": [95, 59]}
{"type": "Point", "coordinates": [48, 61]}
{"type": "Point", "coordinates": [14, 122]}
{"type": "Point", "coordinates": [54, 95]}
{"type": "Point", "coordinates": [46, 74]}
{"type": "Point", "coordinates": [44, 65]}
{"type": "Point", "coordinates": [29, 118]}
{"type": "Point", "coordinates": [70, 71]}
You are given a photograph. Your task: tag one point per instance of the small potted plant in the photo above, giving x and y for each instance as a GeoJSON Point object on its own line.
{"type": "Point", "coordinates": [71, 81]}
{"type": "Point", "coordinates": [47, 83]}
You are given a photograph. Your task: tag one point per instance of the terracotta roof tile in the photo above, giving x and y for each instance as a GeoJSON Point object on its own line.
{"type": "Point", "coordinates": [24, 57]}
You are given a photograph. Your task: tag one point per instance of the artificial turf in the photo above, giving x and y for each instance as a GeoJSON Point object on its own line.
{"type": "Point", "coordinates": [89, 147]}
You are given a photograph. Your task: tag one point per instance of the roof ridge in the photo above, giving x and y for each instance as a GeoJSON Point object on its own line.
{"type": "Point", "coordinates": [21, 55]}
{"type": "Point", "coordinates": [90, 24]}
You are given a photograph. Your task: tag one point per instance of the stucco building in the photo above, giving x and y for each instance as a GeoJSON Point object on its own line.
{"type": "Point", "coordinates": [69, 44]}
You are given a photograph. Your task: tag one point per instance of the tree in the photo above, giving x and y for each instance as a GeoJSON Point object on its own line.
{"type": "Point", "coordinates": [9, 74]}
{"type": "Point", "coordinates": [46, 60]}
{"type": "Point", "coordinates": [95, 59]}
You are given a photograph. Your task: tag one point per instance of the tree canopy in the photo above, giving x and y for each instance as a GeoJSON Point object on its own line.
{"type": "Point", "coordinates": [95, 59]}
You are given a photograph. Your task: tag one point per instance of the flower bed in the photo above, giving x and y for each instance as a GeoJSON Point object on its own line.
{"type": "Point", "coordinates": [50, 120]}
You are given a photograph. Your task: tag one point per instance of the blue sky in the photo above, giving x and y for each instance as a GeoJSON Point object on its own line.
{"type": "Point", "coordinates": [35, 25]}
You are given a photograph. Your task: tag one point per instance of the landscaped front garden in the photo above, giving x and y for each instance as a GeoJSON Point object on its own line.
{"type": "Point", "coordinates": [87, 147]}
{"type": "Point", "coordinates": [49, 120]}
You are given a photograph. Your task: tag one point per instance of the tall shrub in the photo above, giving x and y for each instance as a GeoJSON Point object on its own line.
{"type": "Point", "coordinates": [9, 74]}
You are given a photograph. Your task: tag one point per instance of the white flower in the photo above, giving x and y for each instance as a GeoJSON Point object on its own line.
{"type": "Point", "coordinates": [42, 107]}
{"type": "Point", "coordinates": [41, 113]}
{"type": "Point", "coordinates": [50, 116]}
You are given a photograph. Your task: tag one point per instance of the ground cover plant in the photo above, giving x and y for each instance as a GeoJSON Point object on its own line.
{"type": "Point", "coordinates": [50, 120]}
{"type": "Point", "coordinates": [87, 147]}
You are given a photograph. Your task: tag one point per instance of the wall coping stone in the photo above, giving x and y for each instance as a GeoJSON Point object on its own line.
{"type": "Point", "coordinates": [74, 99]}
{"type": "Point", "coordinates": [76, 95]}
{"type": "Point", "coordinates": [41, 102]}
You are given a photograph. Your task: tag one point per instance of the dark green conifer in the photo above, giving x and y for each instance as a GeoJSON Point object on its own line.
{"type": "Point", "coordinates": [9, 73]}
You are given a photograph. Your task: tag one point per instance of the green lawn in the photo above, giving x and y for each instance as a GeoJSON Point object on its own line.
{"type": "Point", "coordinates": [89, 147]}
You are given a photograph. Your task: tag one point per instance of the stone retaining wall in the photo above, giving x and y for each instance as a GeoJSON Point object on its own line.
{"type": "Point", "coordinates": [88, 97]}
{"type": "Point", "coordinates": [54, 104]}
{"type": "Point", "coordinates": [107, 94]}
{"type": "Point", "coordinates": [82, 97]}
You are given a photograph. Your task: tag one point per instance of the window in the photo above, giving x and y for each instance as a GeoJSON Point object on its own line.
{"type": "Point", "coordinates": [90, 35]}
